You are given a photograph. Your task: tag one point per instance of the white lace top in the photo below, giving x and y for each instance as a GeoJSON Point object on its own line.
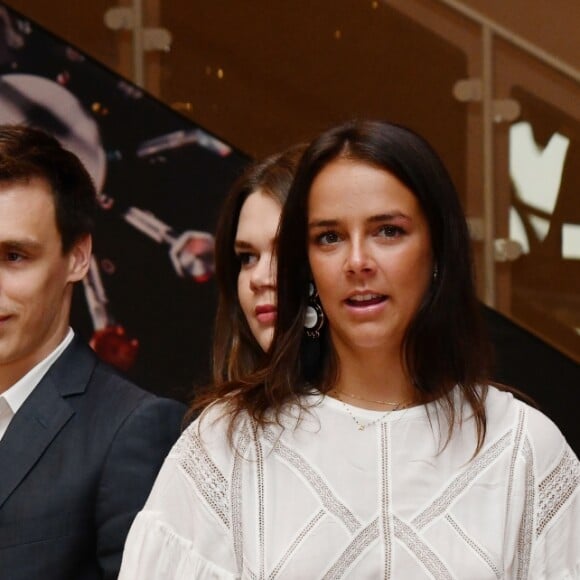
{"type": "Point", "coordinates": [326, 500]}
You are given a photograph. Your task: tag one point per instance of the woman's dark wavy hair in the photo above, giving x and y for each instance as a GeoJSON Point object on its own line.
{"type": "Point", "coordinates": [445, 344]}
{"type": "Point", "coordinates": [236, 353]}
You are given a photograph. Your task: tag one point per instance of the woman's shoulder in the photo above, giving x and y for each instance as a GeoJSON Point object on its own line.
{"type": "Point", "coordinates": [211, 437]}
{"type": "Point", "coordinates": [550, 473]}
{"type": "Point", "coordinates": [538, 436]}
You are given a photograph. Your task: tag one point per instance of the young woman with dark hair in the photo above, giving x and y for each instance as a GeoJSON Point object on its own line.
{"type": "Point", "coordinates": [371, 444]}
{"type": "Point", "coordinates": [246, 265]}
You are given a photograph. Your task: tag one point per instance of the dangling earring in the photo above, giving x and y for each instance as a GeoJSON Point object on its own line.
{"type": "Point", "coordinates": [314, 318]}
{"type": "Point", "coordinates": [435, 273]}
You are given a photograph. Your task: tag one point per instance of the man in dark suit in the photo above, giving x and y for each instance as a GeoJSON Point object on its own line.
{"type": "Point", "coordinates": [80, 446]}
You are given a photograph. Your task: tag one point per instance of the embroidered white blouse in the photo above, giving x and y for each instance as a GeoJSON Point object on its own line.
{"type": "Point", "coordinates": [326, 500]}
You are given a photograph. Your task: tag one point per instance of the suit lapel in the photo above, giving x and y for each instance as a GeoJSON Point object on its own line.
{"type": "Point", "coordinates": [42, 416]}
{"type": "Point", "coordinates": [29, 434]}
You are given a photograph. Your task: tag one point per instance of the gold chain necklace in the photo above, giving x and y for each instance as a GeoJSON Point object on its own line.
{"type": "Point", "coordinates": [362, 426]}
{"type": "Point", "coordinates": [351, 396]}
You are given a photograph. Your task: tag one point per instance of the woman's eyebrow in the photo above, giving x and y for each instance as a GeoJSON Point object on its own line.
{"type": "Point", "coordinates": [322, 223]}
{"type": "Point", "coordinates": [242, 245]}
{"type": "Point", "coordinates": [389, 217]}
{"type": "Point", "coordinates": [372, 219]}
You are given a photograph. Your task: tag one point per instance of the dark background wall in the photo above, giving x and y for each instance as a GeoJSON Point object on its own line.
{"type": "Point", "coordinates": [159, 323]}
{"type": "Point", "coordinates": [170, 316]}
{"type": "Point", "coordinates": [537, 369]}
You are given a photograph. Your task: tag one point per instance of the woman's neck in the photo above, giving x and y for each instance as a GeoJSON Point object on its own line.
{"type": "Point", "coordinates": [373, 380]}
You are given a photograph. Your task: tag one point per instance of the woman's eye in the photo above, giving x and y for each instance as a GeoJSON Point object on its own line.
{"type": "Point", "coordinates": [327, 238]}
{"type": "Point", "coordinates": [247, 258]}
{"type": "Point", "coordinates": [390, 231]}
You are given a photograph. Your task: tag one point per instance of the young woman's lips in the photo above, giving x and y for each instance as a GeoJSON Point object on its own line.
{"type": "Point", "coordinates": [366, 302]}
{"type": "Point", "coordinates": [266, 314]}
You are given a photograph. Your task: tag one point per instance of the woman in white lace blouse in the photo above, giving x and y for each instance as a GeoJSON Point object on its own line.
{"type": "Point", "coordinates": [370, 445]}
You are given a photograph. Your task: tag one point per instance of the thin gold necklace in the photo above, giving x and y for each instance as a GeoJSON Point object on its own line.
{"type": "Point", "coordinates": [351, 396]}
{"type": "Point", "coordinates": [362, 426]}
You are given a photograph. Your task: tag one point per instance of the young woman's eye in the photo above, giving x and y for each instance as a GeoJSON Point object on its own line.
{"type": "Point", "coordinates": [327, 238]}
{"type": "Point", "coordinates": [390, 231]}
{"type": "Point", "coordinates": [247, 258]}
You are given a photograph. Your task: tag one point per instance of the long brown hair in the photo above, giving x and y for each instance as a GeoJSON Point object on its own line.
{"type": "Point", "coordinates": [236, 353]}
{"type": "Point", "coordinates": [445, 345]}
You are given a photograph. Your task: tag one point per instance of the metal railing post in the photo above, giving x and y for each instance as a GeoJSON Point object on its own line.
{"type": "Point", "coordinates": [138, 52]}
{"type": "Point", "coordinates": [488, 165]}
{"type": "Point", "coordinates": [513, 38]}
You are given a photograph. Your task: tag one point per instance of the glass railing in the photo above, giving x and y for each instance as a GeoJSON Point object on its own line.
{"type": "Point", "coordinates": [264, 74]}
{"type": "Point", "coordinates": [544, 166]}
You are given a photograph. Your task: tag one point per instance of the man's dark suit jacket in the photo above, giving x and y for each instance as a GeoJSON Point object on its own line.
{"type": "Point", "coordinates": [76, 465]}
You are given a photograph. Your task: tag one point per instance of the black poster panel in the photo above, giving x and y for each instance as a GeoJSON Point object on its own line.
{"type": "Point", "coordinates": [538, 370]}
{"type": "Point", "coordinates": [148, 303]}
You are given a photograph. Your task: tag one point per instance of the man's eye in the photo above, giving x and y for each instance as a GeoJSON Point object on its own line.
{"type": "Point", "coordinates": [14, 257]}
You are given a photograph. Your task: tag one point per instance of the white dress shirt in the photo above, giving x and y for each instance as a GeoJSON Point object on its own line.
{"type": "Point", "coordinates": [13, 398]}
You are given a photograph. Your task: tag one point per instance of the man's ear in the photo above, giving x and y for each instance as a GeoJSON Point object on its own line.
{"type": "Point", "coordinates": [80, 258]}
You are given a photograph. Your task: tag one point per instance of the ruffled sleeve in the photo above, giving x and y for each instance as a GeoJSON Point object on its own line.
{"type": "Point", "coordinates": [154, 551]}
{"type": "Point", "coordinates": [184, 530]}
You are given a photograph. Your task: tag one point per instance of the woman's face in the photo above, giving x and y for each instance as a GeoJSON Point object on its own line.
{"type": "Point", "coordinates": [254, 246]}
{"type": "Point", "coordinates": [370, 254]}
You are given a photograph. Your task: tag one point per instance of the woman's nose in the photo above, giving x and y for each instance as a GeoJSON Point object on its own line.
{"type": "Point", "coordinates": [264, 274]}
{"type": "Point", "coordinates": [359, 258]}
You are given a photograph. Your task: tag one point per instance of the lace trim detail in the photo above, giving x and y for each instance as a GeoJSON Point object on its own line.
{"type": "Point", "coordinates": [387, 524]}
{"type": "Point", "coordinates": [206, 476]}
{"type": "Point", "coordinates": [458, 485]}
{"type": "Point", "coordinates": [515, 454]}
{"type": "Point", "coordinates": [297, 541]}
{"type": "Point", "coordinates": [332, 504]}
{"type": "Point", "coordinates": [249, 573]}
{"type": "Point", "coordinates": [475, 547]}
{"type": "Point", "coordinates": [556, 488]}
{"type": "Point", "coordinates": [260, 491]}
{"type": "Point", "coordinates": [236, 496]}
{"type": "Point", "coordinates": [525, 537]}
{"type": "Point", "coordinates": [421, 550]}
{"type": "Point", "coordinates": [356, 547]}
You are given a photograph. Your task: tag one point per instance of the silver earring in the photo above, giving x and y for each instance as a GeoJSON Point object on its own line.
{"type": "Point", "coordinates": [435, 272]}
{"type": "Point", "coordinates": [314, 318]}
